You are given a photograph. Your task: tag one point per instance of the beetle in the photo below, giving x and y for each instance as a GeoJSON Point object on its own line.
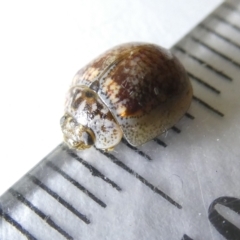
{"type": "Point", "coordinates": [134, 90]}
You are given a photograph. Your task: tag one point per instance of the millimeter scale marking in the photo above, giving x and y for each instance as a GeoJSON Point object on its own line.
{"type": "Point", "coordinates": [76, 184]}
{"type": "Point", "coordinates": [215, 51]}
{"type": "Point", "coordinates": [15, 224]}
{"type": "Point", "coordinates": [219, 35]}
{"type": "Point", "coordinates": [139, 177]}
{"type": "Point", "coordinates": [58, 198]}
{"type": "Point", "coordinates": [206, 65]}
{"type": "Point", "coordinates": [95, 172]}
{"type": "Point", "coordinates": [42, 215]}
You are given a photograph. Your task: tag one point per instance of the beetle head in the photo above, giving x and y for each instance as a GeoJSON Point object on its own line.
{"type": "Point", "coordinates": [76, 135]}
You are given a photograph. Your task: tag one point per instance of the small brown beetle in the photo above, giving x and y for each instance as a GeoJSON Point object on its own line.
{"type": "Point", "coordinates": [135, 90]}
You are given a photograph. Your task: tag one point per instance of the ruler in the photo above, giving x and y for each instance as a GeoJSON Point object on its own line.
{"type": "Point", "coordinates": [182, 185]}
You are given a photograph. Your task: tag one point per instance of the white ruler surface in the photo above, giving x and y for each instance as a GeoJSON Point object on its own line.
{"type": "Point", "coordinates": [182, 185]}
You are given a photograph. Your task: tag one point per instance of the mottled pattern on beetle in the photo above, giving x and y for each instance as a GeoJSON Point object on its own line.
{"type": "Point", "coordinates": [135, 86]}
{"type": "Point", "coordinates": [94, 70]}
{"type": "Point", "coordinates": [88, 110]}
{"type": "Point", "coordinates": [125, 71]}
{"type": "Point", "coordinates": [83, 104]}
{"type": "Point", "coordinates": [144, 86]}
